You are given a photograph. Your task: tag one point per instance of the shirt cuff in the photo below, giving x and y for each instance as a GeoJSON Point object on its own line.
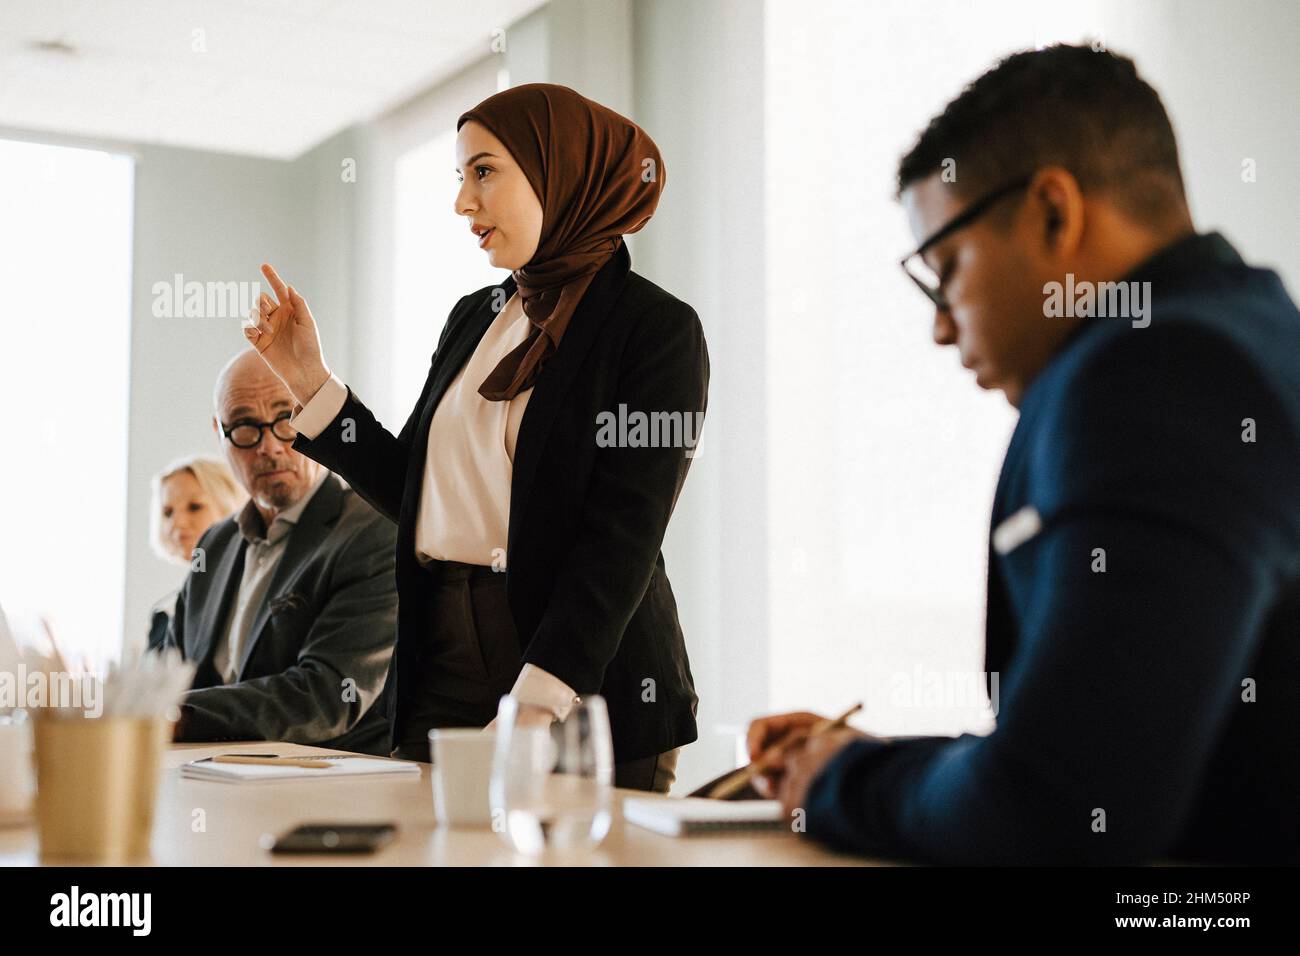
{"type": "Point", "coordinates": [310, 420]}
{"type": "Point", "coordinates": [543, 689]}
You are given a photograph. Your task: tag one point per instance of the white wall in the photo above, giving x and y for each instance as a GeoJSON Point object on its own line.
{"type": "Point", "coordinates": [1229, 75]}
{"type": "Point", "coordinates": [694, 91]}
{"type": "Point", "coordinates": [209, 218]}
{"type": "Point", "coordinates": [590, 47]}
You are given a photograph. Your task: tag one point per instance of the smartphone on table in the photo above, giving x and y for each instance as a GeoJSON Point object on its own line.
{"type": "Point", "coordinates": [335, 838]}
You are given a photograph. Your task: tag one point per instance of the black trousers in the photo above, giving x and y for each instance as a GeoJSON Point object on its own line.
{"type": "Point", "coordinates": [471, 658]}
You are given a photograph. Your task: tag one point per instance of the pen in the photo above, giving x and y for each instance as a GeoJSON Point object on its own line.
{"type": "Point", "coordinates": [275, 761]}
{"type": "Point", "coordinates": [737, 781]}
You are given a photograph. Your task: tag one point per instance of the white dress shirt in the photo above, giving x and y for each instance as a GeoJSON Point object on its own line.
{"type": "Point", "coordinates": [262, 554]}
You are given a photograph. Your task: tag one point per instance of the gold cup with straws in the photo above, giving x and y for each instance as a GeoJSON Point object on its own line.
{"type": "Point", "coordinates": [98, 768]}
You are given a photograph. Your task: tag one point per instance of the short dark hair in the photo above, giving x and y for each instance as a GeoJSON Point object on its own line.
{"type": "Point", "coordinates": [1083, 109]}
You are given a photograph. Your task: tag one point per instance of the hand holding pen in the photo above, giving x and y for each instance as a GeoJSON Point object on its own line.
{"type": "Point", "coordinates": [787, 751]}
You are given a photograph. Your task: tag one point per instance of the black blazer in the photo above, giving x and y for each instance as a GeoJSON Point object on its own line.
{"type": "Point", "coordinates": [329, 617]}
{"type": "Point", "coordinates": [586, 582]}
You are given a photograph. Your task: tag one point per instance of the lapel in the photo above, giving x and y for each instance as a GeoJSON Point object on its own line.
{"type": "Point", "coordinates": [1011, 468]}
{"type": "Point", "coordinates": [999, 618]}
{"type": "Point", "coordinates": [557, 376]}
{"type": "Point", "coordinates": [217, 597]}
{"type": "Point", "coordinates": [304, 538]}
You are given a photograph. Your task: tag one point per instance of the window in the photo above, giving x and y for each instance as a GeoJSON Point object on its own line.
{"type": "Point", "coordinates": [429, 255]}
{"type": "Point", "coordinates": [436, 259]}
{"type": "Point", "coordinates": [884, 454]}
{"type": "Point", "coordinates": [65, 266]}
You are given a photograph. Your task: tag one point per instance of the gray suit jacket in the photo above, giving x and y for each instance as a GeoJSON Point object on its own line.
{"type": "Point", "coordinates": [316, 658]}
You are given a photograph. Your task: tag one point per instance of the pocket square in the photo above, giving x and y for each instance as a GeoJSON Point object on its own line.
{"type": "Point", "coordinates": [293, 601]}
{"type": "Point", "coordinates": [1016, 530]}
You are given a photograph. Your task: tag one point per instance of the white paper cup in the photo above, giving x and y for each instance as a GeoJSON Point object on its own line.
{"type": "Point", "coordinates": [462, 770]}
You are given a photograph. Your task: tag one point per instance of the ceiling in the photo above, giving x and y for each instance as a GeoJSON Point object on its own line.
{"type": "Point", "coordinates": [268, 78]}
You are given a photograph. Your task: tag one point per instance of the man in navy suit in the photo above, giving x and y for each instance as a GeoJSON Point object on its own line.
{"type": "Point", "coordinates": [1144, 564]}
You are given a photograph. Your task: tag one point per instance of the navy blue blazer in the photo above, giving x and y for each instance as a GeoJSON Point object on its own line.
{"type": "Point", "coordinates": [1150, 710]}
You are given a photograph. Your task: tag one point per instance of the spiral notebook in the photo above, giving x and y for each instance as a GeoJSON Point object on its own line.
{"type": "Point", "coordinates": [686, 816]}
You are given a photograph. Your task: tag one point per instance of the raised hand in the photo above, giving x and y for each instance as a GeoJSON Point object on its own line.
{"type": "Point", "coordinates": [285, 334]}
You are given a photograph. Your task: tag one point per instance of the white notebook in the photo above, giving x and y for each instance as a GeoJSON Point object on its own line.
{"type": "Point", "coordinates": [206, 769]}
{"type": "Point", "coordinates": [683, 816]}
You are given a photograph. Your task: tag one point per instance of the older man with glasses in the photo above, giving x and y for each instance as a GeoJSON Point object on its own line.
{"type": "Point", "coordinates": [290, 609]}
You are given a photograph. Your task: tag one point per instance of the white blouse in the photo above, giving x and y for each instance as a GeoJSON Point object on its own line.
{"type": "Point", "coordinates": [465, 498]}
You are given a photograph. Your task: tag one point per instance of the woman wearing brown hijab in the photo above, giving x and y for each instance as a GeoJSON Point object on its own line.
{"type": "Point", "coordinates": [552, 439]}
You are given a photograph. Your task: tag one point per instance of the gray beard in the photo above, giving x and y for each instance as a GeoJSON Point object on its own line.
{"type": "Point", "coordinates": [280, 496]}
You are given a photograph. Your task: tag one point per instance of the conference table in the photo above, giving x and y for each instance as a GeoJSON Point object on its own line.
{"type": "Point", "coordinates": [203, 823]}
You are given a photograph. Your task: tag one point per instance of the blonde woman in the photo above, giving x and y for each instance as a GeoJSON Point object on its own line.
{"type": "Point", "coordinates": [189, 496]}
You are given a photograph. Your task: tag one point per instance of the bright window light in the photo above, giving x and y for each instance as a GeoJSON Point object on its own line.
{"type": "Point", "coordinates": [884, 454]}
{"type": "Point", "coordinates": [65, 266]}
{"type": "Point", "coordinates": [436, 260]}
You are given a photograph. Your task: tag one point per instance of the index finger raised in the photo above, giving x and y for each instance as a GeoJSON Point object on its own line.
{"type": "Point", "coordinates": [277, 284]}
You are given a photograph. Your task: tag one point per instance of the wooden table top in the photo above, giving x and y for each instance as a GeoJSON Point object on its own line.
{"type": "Point", "coordinates": [239, 821]}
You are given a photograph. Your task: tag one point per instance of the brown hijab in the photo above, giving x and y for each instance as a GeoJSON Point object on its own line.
{"type": "Point", "coordinates": [598, 177]}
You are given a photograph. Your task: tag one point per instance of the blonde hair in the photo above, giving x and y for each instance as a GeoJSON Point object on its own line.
{"type": "Point", "coordinates": [216, 480]}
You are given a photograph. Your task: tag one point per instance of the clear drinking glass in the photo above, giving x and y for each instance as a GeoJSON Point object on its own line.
{"type": "Point", "coordinates": [552, 786]}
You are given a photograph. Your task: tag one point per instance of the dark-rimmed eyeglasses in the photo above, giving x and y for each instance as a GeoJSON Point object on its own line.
{"type": "Point", "coordinates": [914, 264]}
{"type": "Point", "coordinates": [247, 433]}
